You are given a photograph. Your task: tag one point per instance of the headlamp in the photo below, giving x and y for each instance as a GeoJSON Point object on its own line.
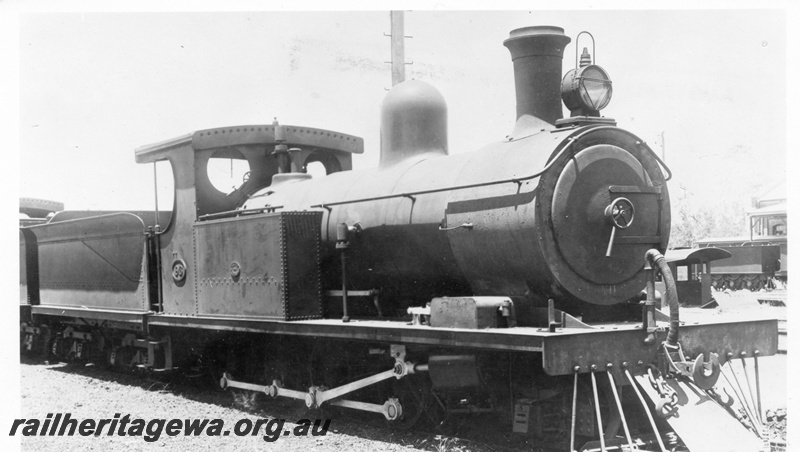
{"type": "Point", "coordinates": [586, 90]}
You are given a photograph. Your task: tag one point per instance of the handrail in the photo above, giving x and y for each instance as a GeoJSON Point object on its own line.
{"type": "Point", "coordinates": [515, 180]}
{"type": "Point", "coordinates": [658, 159]}
{"type": "Point", "coordinates": [233, 213]}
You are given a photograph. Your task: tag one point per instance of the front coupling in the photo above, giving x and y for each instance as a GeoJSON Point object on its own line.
{"type": "Point", "coordinates": [705, 375]}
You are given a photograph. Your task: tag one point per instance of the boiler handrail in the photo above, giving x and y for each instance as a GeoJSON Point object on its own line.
{"type": "Point", "coordinates": [515, 180]}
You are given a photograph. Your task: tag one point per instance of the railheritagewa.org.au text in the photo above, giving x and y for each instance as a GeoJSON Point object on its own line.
{"type": "Point", "coordinates": [63, 424]}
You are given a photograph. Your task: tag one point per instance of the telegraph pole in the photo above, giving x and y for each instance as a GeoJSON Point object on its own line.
{"type": "Point", "coordinates": [398, 47]}
{"type": "Point", "coordinates": [663, 148]}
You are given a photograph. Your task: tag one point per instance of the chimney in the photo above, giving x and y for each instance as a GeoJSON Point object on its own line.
{"type": "Point", "coordinates": [537, 53]}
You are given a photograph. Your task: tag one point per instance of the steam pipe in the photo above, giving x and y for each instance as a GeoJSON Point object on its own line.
{"type": "Point", "coordinates": [657, 259]}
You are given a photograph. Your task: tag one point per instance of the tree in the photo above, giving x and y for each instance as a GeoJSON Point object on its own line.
{"type": "Point", "coordinates": [715, 191]}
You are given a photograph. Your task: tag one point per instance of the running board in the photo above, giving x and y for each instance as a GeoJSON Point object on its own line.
{"type": "Point", "coordinates": [692, 419]}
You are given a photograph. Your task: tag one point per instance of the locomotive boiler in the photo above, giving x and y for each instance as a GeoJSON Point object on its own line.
{"type": "Point", "coordinates": [519, 273]}
{"type": "Point", "coordinates": [563, 213]}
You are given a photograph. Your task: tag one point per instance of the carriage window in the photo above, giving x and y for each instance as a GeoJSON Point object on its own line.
{"type": "Point", "coordinates": [316, 169]}
{"type": "Point", "coordinates": [683, 273]}
{"type": "Point", "coordinates": [227, 170]}
{"type": "Point", "coordinates": [768, 225]}
{"type": "Point", "coordinates": [755, 226]}
{"type": "Point", "coordinates": [319, 163]}
{"type": "Point", "coordinates": [777, 226]}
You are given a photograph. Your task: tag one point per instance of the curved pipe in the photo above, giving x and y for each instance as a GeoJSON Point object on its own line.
{"type": "Point", "coordinates": [655, 258]}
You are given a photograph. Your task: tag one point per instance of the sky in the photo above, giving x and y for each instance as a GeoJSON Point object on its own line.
{"type": "Point", "coordinates": [94, 86]}
{"type": "Point", "coordinates": [85, 83]}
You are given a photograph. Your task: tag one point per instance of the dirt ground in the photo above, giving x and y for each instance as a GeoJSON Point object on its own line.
{"type": "Point", "coordinates": [95, 393]}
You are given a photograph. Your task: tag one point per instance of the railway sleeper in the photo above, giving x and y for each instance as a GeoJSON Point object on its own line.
{"type": "Point", "coordinates": [317, 396]}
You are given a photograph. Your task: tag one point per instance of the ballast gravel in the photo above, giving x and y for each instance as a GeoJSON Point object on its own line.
{"type": "Point", "coordinates": [93, 393]}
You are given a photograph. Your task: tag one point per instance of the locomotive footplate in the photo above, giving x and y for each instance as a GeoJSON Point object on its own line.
{"type": "Point", "coordinates": [561, 350]}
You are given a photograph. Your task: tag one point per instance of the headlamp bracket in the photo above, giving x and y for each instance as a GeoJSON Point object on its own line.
{"type": "Point", "coordinates": [577, 121]}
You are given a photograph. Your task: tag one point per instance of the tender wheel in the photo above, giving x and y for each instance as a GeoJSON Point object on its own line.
{"type": "Point", "coordinates": [29, 343]}
{"type": "Point", "coordinates": [122, 358]}
{"type": "Point", "coordinates": [56, 349]}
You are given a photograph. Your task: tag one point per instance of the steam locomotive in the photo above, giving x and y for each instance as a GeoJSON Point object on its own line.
{"type": "Point", "coordinates": [516, 279]}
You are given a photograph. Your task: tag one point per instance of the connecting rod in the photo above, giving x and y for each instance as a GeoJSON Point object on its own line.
{"type": "Point", "coordinates": [316, 396]}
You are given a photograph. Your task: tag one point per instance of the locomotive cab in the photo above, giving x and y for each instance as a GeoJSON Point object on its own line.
{"type": "Point", "coordinates": [206, 218]}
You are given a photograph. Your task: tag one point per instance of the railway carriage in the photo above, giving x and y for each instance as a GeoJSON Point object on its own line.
{"type": "Point", "coordinates": [759, 260]}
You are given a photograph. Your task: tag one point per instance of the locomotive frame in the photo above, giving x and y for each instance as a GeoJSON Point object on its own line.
{"type": "Point", "coordinates": [190, 288]}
